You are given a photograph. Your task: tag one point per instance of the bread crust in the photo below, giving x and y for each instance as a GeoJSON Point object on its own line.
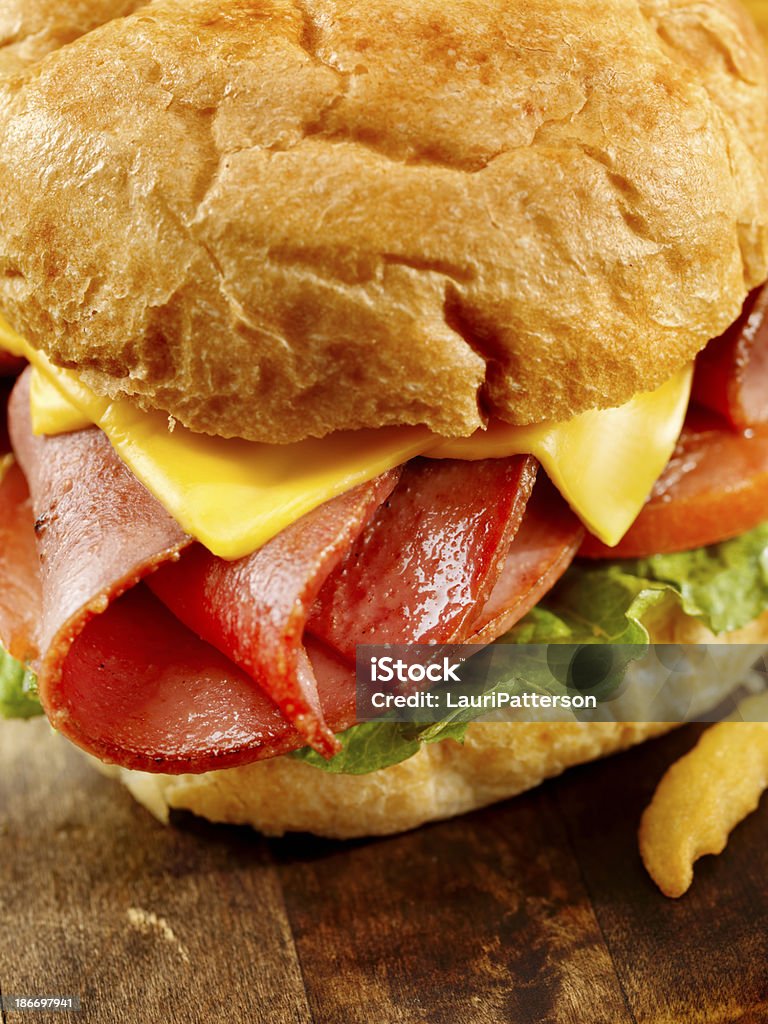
{"type": "Point", "coordinates": [497, 760]}
{"type": "Point", "coordinates": [280, 218]}
{"type": "Point", "coordinates": [30, 29]}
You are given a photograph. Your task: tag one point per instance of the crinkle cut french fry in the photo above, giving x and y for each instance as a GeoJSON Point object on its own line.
{"type": "Point", "coordinates": [700, 799]}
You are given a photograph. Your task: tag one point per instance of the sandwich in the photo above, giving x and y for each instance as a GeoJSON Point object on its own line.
{"type": "Point", "coordinates": [329, 324]}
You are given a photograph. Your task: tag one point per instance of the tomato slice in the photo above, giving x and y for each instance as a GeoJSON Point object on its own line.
{"type": "Point", "coordinates": [731, 375]}
{"type": "Point", "coordinates": [715, 487]}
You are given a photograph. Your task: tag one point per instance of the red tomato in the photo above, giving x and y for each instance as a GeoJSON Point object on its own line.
{"type": "Point", "coordinates": [715, 487]}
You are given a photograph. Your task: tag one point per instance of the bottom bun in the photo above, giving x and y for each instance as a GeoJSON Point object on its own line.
{"type": "Point", "coordinates": [496, 761]}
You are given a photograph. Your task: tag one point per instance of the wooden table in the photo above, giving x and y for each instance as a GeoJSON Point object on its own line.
{"type": "Point", "coordinates": [530, 912]}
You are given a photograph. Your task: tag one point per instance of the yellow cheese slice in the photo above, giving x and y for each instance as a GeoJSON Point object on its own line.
{"type": "Point", "coordinates": [234, 495]}
{"type": "Point", "coordinates": [231, 495]}
{"type": "Point", "coordinates": [604, 462]}
{"type": "Point", "coordinates": [52, 413]}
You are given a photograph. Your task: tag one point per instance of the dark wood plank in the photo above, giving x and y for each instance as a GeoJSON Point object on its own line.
{"type": "Point", "coordinates": [702, 959]}
{"type": "Point", "coordinates": [482, 920]}
{"type": "Point", "coordinates": [536, 911]}
{"type": "Point", "coordinates": [143, 923]}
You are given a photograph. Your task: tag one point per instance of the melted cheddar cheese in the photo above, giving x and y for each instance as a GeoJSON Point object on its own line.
{"type": "Point", "coordinates": [234, 495]}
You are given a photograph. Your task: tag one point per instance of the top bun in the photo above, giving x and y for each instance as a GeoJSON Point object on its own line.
{"type": "Point", "coordinates": [278, 218]}
{"type": "Point", "coordinates": [29, 29]}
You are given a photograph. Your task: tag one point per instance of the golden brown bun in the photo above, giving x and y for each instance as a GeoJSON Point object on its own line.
{"type": "Point", "coordinates": [497, 760]}
{"type": "Point", "coordinates": [275, 218]}
{"type": "Point", "coordinates": [29, 29]}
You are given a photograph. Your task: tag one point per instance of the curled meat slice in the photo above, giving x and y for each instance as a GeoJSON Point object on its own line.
{"type": "Point", "coordinates": [429, 558]}
{"type": "Point", "coordinates": [254, 610]}
{"type": "Point", "coordinates": [731, 375]}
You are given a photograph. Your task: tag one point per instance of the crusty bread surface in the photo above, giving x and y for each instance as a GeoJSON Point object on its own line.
{"type": "Point", "coordinates": [280, 218]}
{"type": "Point", "coordinates": [496, 761]}
{"type": "Point", "coordinates": [30, 29]}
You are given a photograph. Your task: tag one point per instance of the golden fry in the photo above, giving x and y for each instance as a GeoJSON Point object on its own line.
{"type": "Point", "coordinates": [700, 799]}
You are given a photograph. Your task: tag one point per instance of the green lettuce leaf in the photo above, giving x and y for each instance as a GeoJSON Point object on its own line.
{"type": "Point", "coordinates": [592, 605]}
{"type": "Point", "coordinates": [373, 745]}
{"type": "Point", "coordinates": [18, 690]}
{"type": "Point", "coordinates": [725, 586]}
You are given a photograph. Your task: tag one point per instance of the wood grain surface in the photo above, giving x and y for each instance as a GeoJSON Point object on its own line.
{"type": "Point", "coordinates": [535, 911]}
